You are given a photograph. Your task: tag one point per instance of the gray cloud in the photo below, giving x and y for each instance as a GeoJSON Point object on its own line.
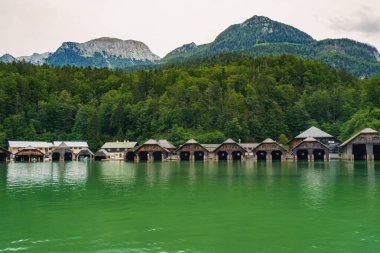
{"type": "Point", "coordinates": [362, 21]}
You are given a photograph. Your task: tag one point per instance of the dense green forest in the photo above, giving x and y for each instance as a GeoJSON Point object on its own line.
{"type": "Point", "coordinates": [208, 99]}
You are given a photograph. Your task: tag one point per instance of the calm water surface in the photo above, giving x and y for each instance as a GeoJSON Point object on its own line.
{"type": "Point", "coordinates": [190, 207]}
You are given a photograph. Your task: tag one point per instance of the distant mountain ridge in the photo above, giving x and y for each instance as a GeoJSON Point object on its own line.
{"type": "Point", "coordinates": [101, 52]}
{"type": "Point", "coordinates": [257, 36]}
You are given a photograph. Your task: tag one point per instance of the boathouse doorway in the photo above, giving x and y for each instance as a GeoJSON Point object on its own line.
{"type": "Point", "coordinates": [3, 157]}
{"type": "Point", "coordinates": [302, 155]}
{"type": "Point", "coordinates": [68, 156]}
{"type": "Point", "coordinates": [319, 154]}
{"type": "Point", "coordinates": [261, 155]}
{"type": "Point", "coordinates": [55, 156]}
{"type": "Point", "coordinates": [276, 155]}
{"type": "Point", "coordinates": [199, 155]}
{"type": "Point", "coordinates": [376, 152]}
{"type": "Point", "coordinates": [359, 151]}
{"type": "Point", "coordinates": [184, 156]}
{"type": "Point", "coordinates": [236, 155]}
{"type": "Point", "coordinates": [130, 156]}
{"type": "Point", "coordinates": [143, 156]}
{"type": "Point", "coordinates": [157, 156]}
{"type": "Point", "coordinates": [222, 155]}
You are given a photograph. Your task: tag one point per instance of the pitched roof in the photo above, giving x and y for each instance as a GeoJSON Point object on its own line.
{"type": "Point", "coordinates": [166, 144]}
{"type": "Point", "coordinates": [364, 131]}
{"type": "Point", "coordinates": [102, 152]}
{"type": "Point", "coordinates": [310, 139]}
{"type": "Point", "coordinates": [313, 132]}
{"type": "Point", "coordinates": [86, 151]}
{"type": "Point", "coordinates": [191, 141]}
{"type": "Point", "coordinates": [24, 144]}
{"type": "Point", "coordinates": [72, 144]}
{"type": "Point", "coordinates": [122, 144]}
{"type": "Point", "coordinates": [268, 140]}
{"type": "Point", "coordinates": [229, 140]}
{"type": "Point", "coordinates": [62, 147]}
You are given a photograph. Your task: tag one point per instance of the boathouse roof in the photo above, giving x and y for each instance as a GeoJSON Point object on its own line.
{"type": "Point", "coordinates": [24, 144]}
{"type": "Point", "coordinates": [364, 131]}
{"type": "Point", "coordinates": [310, 139]}
{"type": "Point", "coordinates": [85, 151]}
{"type": "Point", "coordinates": [72, 144]}
{"type": "Point", "coordinates": [313, 132]}
{"type": "Point", "coordinates": [120, 144]}
{"type": "Point", "coordinates": [269, 140]}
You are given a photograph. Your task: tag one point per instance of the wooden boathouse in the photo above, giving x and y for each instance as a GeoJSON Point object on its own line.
{"type": "Point", "coordinates": [269, 150]}
{"type": "Point", "coordinates": [5, 155]}
{"type": "Point", "coordinates": [192, 151]}
{"type": "Point", "coordinates": [85, 153]}
{"type": "Point", "coordinates": [365, 145]}
{"type": "Point", "coordinates": [229, 150]}
{"type": "Point", "coordinates": [311, 149]}
{"type": "Point", "coordinates": [62, 153]}
{"type": "Point", "coordinates": [101, 154]}
{"type": "Point", "coordinates": [152, 150]}
{"type": "Point", "coordinates": [29, 154]}
{"type": "Point", "coordinates": [327, 139]}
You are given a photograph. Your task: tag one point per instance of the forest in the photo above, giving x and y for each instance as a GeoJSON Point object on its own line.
{"type": "Point", "coordinates": [208, 99]}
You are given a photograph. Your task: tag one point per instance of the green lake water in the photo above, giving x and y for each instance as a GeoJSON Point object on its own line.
{"type": "Point", "coordinates": [190, 207]}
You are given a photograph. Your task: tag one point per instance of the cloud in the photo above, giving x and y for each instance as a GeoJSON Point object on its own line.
{"type": "Point", "coordinates": [362, 21]}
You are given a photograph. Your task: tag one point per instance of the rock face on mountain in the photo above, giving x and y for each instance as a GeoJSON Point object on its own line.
{"type": "Point", "coordinates": [35, 58]}
{"type": "Point", "coordinates": [7, 58]}
{"type": "Point", "coordinates": [103, 52]}
{"type": "Point", "coordinates": [259, 36]}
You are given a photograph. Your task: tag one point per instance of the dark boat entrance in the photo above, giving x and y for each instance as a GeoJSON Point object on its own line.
{"type": "Point", "coordinates": [222, 155]}
{"type": "Point", "coordinates": [319, 154]}
{"type": "Point", "coordinates": [302, 155]}
{"type": "Point", "coordinates": [376, 152]}
{"type": "Point", "coordinates": [157, 156]}
{"type": "Point", "coordinates": [199, 155]}
{"type": "Point", "coordinates": [143, 156]}
{"type": "Point", "coordinates": [184, 156]}
{"type": "Point", "coordinates": [276, 155]}
{"type": "Point", "coordinates": [3, 157]}
{"type": "Point", "coordinates": [261, 155]}
{"type": "Point", "coordinates": [55, 156]}
{"type": "Point", "coordinates": [130, 156]}
{"type": "Point", "coordinates": [359, 151]}
{"type": "Point", "coordinates": [236, 155]}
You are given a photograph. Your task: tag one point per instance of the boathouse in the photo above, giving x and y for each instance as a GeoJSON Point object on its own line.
{"type": "Point", "coordinates": [327, 139]}
{"type": "Point", "coordinates": [62, 153]}
{"type": "Point", "coordinates": [29, 154]}
{"type": "Point", "coordinates": [5, 155]}
{"type": "Point", "coordinates": [364, 145]}
{"type": "Point", "coordinates": [153, 150]}
{"type": "Point", "coordinates": [229, 150]}
{"type": "Point", "coordinates": [311, 149]}
{"type": "Point", "coordinates": [85, 153]}
{"type": "Point", "coordinates": [101, 154]}
{"type": "Point", "coordinates": [192, 151]}
{"type": "Point", "coordinates": [75, 146]}
{"type": "Point", "coordinates": [16, 146]}
{"type": "Point", "coordinates": [269, 150]}
{"type": "Point", "coordinates": [117, 150]}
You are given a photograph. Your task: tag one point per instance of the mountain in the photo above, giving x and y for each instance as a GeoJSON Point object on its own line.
{"type": "Point", "coordinates": [259, 36]}
{"type": "Point", "coordinates": [35, 58]}
{"type": "Point", "coordinates": [103, 52]}
{"type": "Point", "coordinates": [7, 58]}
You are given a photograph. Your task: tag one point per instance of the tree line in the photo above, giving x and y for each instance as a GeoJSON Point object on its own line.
{"type": "Point", "coordinates": [209, 99]}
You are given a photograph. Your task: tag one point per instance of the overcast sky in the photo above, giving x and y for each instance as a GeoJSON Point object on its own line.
{"type": "Point", "coordinates": [29, 26]}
